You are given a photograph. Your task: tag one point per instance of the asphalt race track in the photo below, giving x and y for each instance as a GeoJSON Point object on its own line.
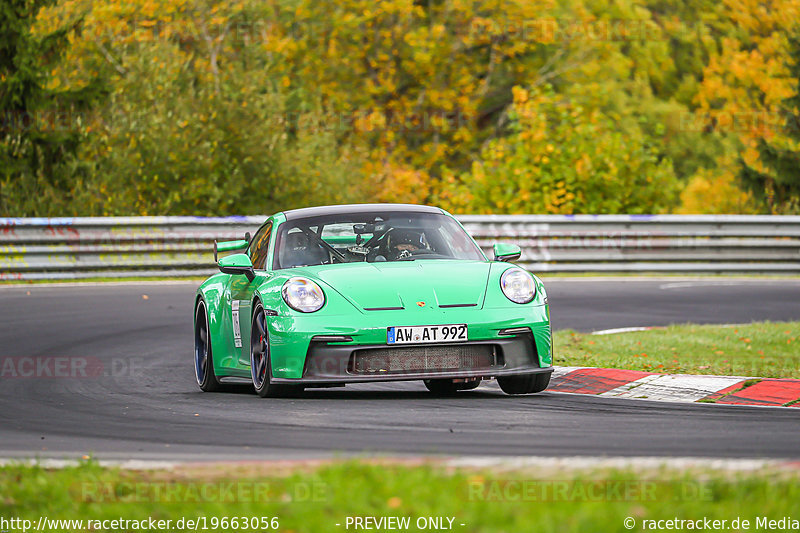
{"type": "Point", "coordinates": [145, 404]}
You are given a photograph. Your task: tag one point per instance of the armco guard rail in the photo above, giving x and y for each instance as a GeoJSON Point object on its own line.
{"type": "Point", "coordinates": [71, 248]}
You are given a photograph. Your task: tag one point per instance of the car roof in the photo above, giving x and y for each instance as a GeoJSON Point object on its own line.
{"type": "Point", "coordinates": [325, 210]}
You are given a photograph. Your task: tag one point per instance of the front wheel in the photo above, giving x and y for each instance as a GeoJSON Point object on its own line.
{"type": "Point", "coordinates": [203, 358]}
{"type": "Point", "coordinates": [260, 364]}
{"type": "Point", "coordinates": [527, 384]}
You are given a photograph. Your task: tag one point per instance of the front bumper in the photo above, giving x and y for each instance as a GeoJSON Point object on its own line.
{"type": "Point", "coordinates": [295, 338]}
{"type": "Point", "coordinates": [335, 363]}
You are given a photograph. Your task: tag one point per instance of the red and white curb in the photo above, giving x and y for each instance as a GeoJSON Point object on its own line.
{"type": "Point", "coordinates": [729, 390]}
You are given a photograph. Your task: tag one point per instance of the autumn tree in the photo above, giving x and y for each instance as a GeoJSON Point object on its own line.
{"type": "Point", "coordinates": [424, 84]}
{"type": "Point", "coordinates": [776, 180]}
{"type": "Point", "coordinates": [200, 118]}
{"type": "Point", "coordinates": [563, 158]}
{"type": "Point", "coordinates": [250, 106]}
{"type": "Point", "coordinates": [741, 97]}
{"type": "Point", "coordinates": [39, 171]}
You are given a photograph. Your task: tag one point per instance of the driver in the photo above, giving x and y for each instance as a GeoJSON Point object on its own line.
{"type": "Point", "coordinates": [405, 242]}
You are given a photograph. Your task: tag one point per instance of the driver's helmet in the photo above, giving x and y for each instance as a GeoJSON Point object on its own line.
{"type": "Point", "coordinates": [298, 250]}
{"type": "Point", "coordinates": [404, 239]}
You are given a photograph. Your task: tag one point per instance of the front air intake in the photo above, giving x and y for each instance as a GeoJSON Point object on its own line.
{"type": "Point", "coordinates": [424, 359]}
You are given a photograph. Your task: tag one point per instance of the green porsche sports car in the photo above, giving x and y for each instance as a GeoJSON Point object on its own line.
{"type": "Point", "coordinates": [324, 296]}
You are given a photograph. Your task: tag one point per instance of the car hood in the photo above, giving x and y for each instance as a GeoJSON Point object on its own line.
{"type": "Point", "coordinates": [406, 283]}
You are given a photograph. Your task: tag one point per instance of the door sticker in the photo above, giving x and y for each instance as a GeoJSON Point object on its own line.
{"type": "Point", "coordinates": [237, 331]}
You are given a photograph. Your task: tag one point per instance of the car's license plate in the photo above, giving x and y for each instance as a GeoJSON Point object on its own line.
{"type": "Point", "coordinates": [426, 334]}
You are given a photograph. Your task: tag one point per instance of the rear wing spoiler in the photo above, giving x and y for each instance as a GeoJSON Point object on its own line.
{"type": "Point", "coordinates": [229, 246]}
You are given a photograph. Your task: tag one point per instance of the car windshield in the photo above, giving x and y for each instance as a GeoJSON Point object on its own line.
{"type": "Point", "coordinates": [373, 238]}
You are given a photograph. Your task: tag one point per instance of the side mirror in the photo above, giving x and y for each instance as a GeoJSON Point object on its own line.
{"type": "Point", "coordinates": [504, 251]}
{"type": "Point", "coordinates": [237, 264]}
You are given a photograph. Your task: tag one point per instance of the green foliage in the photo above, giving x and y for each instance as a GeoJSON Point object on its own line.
{"type": "Point", "coordinates": [38, 142]}
{"type": "Point", "coordinates": [564, 158]}
{"type": "Point", "coordinates": [190, 151]}
{"type": "Point", "coordinates": [199, 121]}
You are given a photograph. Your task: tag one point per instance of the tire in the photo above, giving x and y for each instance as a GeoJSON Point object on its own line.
{"type": "Point", "coordinates": [260, 363]}
{"type": "Point", "coordinates": [526, 384]}
{"type": "Point", "coordinates": [447, 386]}
{"type": "Point", "coordinates": [203, 358]}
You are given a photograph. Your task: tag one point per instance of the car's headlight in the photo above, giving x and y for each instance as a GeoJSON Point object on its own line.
{"type": "Point", "coordinates": [302, 294]}
{"type": "Point", "coordinates": [518, 285]}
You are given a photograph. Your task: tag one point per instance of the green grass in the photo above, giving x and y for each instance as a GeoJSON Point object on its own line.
{"type": "Point", "coordinates": [760, 349]}
{"type": "Point", "coordinates": [310, 499]}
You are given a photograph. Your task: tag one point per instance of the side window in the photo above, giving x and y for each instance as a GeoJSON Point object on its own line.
{"type": "Point", "coordinates": [259, 247]}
